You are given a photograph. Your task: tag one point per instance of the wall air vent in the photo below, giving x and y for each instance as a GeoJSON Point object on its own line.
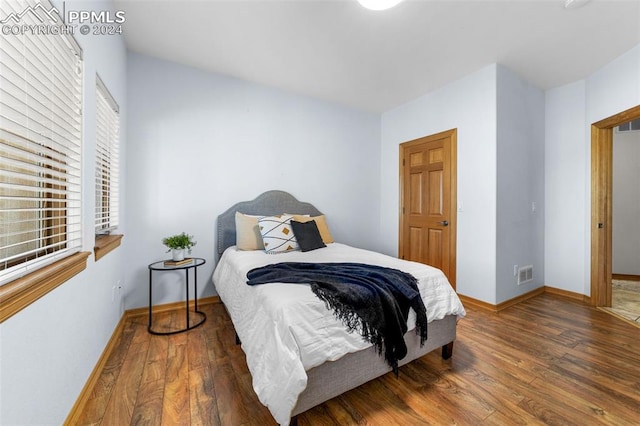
{"type": "Point", "coordinates": [525, 274]}
{"type": "Point", "coordinates": [630, 126]}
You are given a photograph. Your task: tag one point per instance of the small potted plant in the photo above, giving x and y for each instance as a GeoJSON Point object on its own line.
{"type": "Point", "coordinates": [177, 244]}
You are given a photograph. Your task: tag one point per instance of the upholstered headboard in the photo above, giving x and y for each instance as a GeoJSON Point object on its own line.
{"type": "Point", "coordinates": [267, 204]}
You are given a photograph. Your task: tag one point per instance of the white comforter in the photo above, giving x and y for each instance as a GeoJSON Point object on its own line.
{"type": "Point", "coordinates": [286, 330]}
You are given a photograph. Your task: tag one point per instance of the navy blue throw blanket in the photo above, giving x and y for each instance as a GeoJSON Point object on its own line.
{"type": "Point", "coordinates": [372, 300]}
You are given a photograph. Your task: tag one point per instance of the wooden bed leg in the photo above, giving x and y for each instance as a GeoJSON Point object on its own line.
{"type": "Point", "coordinates": [447, 350]}
{"type": "Point", "coordinates": [238, 342]}
{"type": "Point", "coordinates": [294, 421]}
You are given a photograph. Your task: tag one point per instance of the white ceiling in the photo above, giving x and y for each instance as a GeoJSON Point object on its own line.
{"type": "Point", "coordinates": [338, 51]}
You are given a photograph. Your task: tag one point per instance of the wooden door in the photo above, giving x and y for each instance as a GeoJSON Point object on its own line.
{"type": "Point", "coordinates": [601, 204]}
{"type": "Point", "coordinates": [428, 202]}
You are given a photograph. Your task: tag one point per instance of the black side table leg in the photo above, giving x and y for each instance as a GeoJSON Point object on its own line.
{"type": "Point", "coordinates": [195, 289]}
{"type": "Point", "coordinates": [150, 300]}
{"type": "Point", "coordinates": [186, 271]}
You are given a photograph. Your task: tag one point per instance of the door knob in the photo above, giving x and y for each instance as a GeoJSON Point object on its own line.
{"type": "Point", "coordinates": [444, 223]}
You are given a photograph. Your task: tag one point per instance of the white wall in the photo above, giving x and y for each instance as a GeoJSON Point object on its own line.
{"type": "Point", "coordinates": [469, 105]}
{"type": "Point", "coordinates": [50, 348]}
{"type": "Point", "coordinates": [612, 89]}
{"type": "Point", "coordinates": [626, 203]}
{"type": "Point", "coordinates": [200, 142]}
{"type": "Point", "coordinates": [520, 183]}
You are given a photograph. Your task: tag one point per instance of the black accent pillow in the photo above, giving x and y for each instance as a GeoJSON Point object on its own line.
{"type": "Point", "coordinates": [307, 235]}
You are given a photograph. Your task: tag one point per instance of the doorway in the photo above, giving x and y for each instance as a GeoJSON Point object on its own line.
{"type": "Point", "coordinates": [428, 200]}
{"type": "Point", "coordinates": [602, 204]}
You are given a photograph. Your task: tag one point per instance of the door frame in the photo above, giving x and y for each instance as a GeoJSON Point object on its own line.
{"type": "Point", "coordinates": [601, 204]}
{"type": "Point", "coordinates": [452, 135]}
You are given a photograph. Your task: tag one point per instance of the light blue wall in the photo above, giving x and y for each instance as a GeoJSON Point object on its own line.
{"type": "Point", "coordinates": [570, 111]}
{"type": "Point", "coordinates": [500, 122]}
{"type": "Point", "coordinates": [614, 88]}
{"type": "Point", "coordinates": [200, 142]}
{"type": "Point", "coordinates": [566, 179]}
{"type": "Point", "coordinates": [49, 349]}
{"type": "Point", "coordinates": [520, 184]}
{"type": "Point", "coordinates": [468, 105]}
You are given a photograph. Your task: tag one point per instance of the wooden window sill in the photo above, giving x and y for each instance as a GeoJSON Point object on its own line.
{"type": "Point", "coordinates": [105, 244]}
{"type": "Point", "coordinates": [20, 293]}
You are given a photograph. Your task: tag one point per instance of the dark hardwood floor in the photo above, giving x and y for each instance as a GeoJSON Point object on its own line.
{"type": "Point", "coordinates": [548, 360]}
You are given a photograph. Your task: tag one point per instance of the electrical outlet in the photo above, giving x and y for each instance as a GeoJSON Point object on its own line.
{"type": "Point", "coordinates": [515, 270]}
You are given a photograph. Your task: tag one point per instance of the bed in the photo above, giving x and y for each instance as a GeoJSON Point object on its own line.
{"type": "Point", "coordinates": [308, 356]}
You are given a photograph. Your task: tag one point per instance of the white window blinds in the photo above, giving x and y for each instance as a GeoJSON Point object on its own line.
{"type": "Point", "coordinates": [107, 159]}
{"type": "Point", "coordinates": [40, 142]}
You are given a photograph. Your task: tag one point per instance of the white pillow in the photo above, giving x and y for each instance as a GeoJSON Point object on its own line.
{"type": "Point", "coordinates": [277, 235]}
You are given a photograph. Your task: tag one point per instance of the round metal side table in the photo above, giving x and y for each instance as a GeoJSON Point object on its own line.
{"type": "Point", "coordinates": [162, 267]}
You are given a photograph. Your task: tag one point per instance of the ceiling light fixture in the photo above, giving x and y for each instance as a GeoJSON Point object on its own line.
{"type": "Point", "coordinates": [574, 4]}
{"type": "Point", "coordinates": [378, 4]}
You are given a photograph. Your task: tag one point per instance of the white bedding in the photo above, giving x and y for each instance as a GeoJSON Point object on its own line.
{"type": "Point", "coordinates": [286, 330]}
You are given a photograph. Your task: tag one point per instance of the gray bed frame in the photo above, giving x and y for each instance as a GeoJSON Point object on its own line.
{"type": "Point", "coordinates": [333, 378]}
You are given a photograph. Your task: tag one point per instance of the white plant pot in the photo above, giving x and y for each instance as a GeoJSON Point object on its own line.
{"type": "Point", "coordinates": [177, 254]}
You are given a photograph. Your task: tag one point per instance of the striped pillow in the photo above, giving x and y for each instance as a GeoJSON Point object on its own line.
{"type": "Point", "coordinates": [277, 235]}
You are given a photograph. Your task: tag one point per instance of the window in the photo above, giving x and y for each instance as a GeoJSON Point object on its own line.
{"type": "Point", "coordinates": [107, 170]}
{"type": "Point", "coordinates": [40, 143]}
{"type": "Point", "coordinates": [629, 126]}
{"type": "Point", "coordinates": [107, 158]}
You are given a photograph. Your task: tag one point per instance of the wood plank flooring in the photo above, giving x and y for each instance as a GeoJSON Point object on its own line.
{"type": "Point", "coordinates": [549, 360]}
{"type": "Point", "coordinates": [625, 300]}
